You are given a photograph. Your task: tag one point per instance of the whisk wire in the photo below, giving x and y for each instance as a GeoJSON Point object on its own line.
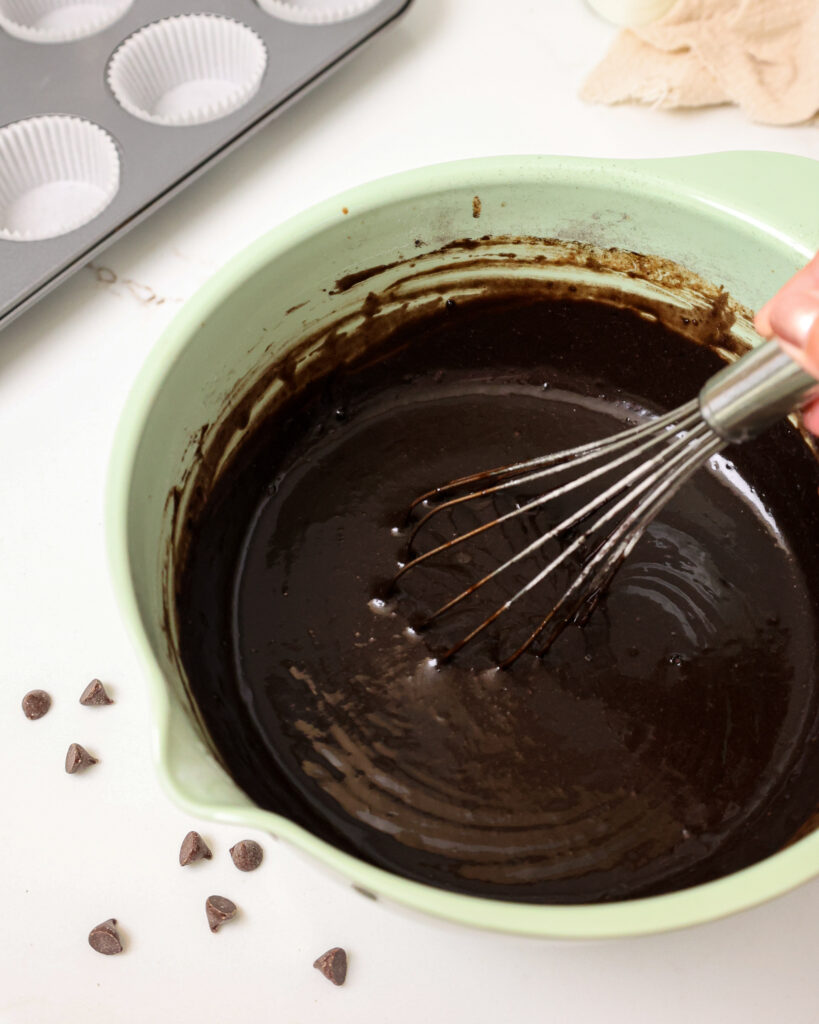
{"type": "Point", "coordinates": [607, 558]}
{"type": "Point", "coordinates": [583, 513]}
{"type": "Point", "coordinates": [654, 433]}
{"type": "Point", "coordinates": [662, 465]}
{"type": "Point", "coordinates": [558, 462]}
{"type": "Point", "coordinates": [566, 456]}
{"type": "Point", "coordinates": [737, 403]}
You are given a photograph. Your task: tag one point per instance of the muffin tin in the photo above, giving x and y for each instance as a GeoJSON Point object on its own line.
{"type": "Point", "coordinates": [110, 107]}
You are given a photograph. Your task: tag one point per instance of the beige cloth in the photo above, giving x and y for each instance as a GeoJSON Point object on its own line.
{"type": "Point", "coordinates": [761, 54]}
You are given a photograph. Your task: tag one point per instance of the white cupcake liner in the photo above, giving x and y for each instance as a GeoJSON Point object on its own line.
{"type": "Point", "coordinates": [316, 12]}
{"type": "Point", "coordinates": [187, 69]}
{"type": "Point", "coordinates": [56, 174]}
{"type": "Point", "coordinates": [59, 21]}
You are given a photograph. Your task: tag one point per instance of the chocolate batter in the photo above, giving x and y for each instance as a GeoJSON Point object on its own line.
{"type": "Point", "coordinates": [669, 741]}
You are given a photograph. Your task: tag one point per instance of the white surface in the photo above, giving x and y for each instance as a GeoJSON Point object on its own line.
{"type": "Point", "coordinates": [457, 78]}
{"type": "Point", "coordinates": [316, 12]}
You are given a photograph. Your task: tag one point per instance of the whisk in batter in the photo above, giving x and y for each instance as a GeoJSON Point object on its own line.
{"type": "Point", "coordinates": [648, 462]}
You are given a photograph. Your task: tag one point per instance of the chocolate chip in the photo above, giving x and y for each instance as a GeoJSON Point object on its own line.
{"type": "Point", "coordinates": [35, 704]}
{"type": "Point", "coordinates": [94, 694]}
{"type": "Point", "coordinates": [105, 938]}
{"type": "Point", "coordinates": [247, 855]}
{"type": "Point", "coordinates": [193, 848]}
{"type": "Point", "coordinates": [78, 759]}
{"type": "Point", "coordinates": [333, 965]}
{"type": "Point", "coordinates": [219, 909]}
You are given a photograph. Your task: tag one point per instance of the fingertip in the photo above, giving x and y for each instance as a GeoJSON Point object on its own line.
{"type": "Point", "coordinates": [812, 348]}
{"type": "Point", "coordinates": [762, 320]}
{"type": "Point", "coordinates": [811, 271]}
{"type": "Point", "coordinates": [794, 316]}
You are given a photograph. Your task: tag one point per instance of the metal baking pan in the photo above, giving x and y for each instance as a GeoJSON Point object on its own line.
{"type": "Point", "coordinates": [156, 161]}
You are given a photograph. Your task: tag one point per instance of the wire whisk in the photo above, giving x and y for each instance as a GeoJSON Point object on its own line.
{"type": "Point", "coordinates": [652, 461]}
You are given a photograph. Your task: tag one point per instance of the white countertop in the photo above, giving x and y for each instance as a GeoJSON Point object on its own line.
{"type": "Point", "coordinates": [455, 78]}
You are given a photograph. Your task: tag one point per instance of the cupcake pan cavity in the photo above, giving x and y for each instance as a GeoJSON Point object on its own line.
{"type": "Point", "coordinates": [56, 174]}
{"type": "Point", "coordinates": [187, 70]}
{"type": "Point", "coordinates": [59, 21]}
{"type": "Point", "coordinates": [316, 12]}
{"type": "Point", "coordinates": [166, 112]}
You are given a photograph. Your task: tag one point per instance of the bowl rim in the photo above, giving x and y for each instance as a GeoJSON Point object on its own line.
{"type": "Point", "coordinates": [774, 876]}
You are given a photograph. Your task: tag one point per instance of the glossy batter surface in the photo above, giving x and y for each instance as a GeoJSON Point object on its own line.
{"type": "Point", "coordinates": [670, 740]}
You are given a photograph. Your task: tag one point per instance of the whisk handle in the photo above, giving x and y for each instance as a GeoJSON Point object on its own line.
{"type": "Point", "coordinates": [753, 393]}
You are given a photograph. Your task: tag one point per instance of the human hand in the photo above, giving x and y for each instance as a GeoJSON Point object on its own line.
{"type": "Point", "coordinates": [793, 316]}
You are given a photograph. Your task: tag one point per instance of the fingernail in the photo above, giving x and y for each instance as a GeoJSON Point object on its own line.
{"type": "Point", "coordinates": [793, 316]}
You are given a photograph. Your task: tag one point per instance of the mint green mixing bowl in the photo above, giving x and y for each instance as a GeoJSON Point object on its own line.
{"type": "Point", "coordinates": [747, 221]}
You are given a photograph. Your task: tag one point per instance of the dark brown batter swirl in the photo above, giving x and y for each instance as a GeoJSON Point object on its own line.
{"type": "Point", "coordinates": [670, 740]}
